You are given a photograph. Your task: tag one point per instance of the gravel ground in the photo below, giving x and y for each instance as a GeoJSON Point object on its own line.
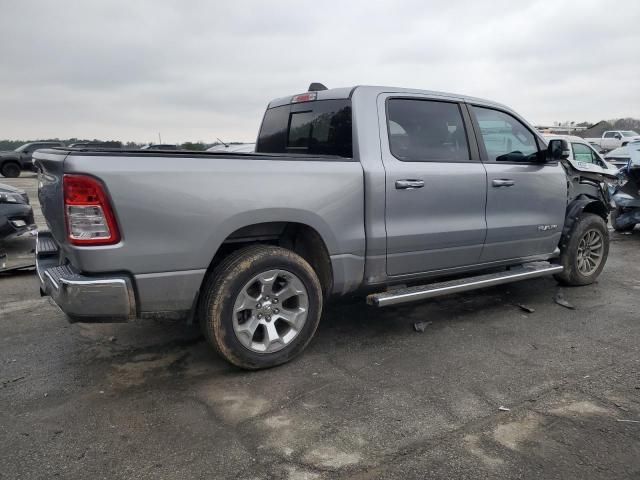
{"type": "Point", "coordinates": [488, 390]}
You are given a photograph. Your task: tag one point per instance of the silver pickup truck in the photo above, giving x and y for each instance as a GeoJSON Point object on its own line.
{"type": "Point", "coordinates": [396, 193]}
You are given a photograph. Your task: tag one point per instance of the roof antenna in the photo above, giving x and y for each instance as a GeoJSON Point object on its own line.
{"type": "Point", "coordinates": [316, 87]}
{"type": "Point", "coordinates": [226, 145]}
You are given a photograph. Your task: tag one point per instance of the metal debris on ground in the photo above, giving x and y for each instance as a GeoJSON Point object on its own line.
{"type": "Point", "coordinates": [504, 409]}
{"type": "Point", "coordinates": [525, 308]}
{"type": "Point", "coordinates": [560, 300]}
{"type": "Point", "coordinates": [13, 380]}
{"type": "Point", "coordinates": [420, 326]}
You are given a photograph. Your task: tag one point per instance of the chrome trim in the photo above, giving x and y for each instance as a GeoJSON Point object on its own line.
{"type": "Point", "coordinates": [423, 292]}
{"type": "Point", "coordinates": [85, 298]}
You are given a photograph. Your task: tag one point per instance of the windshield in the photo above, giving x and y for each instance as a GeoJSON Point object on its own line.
{"type": "Point", "coordinates": [22, 147]}
{"type": "Point", "coordinates": [629, 133]}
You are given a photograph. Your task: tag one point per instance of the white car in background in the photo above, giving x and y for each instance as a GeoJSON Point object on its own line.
{"type": "Point", "coordinates": [583, 153]}
{"type": "Point", "coordinates": [233, 147]}
{"type": "Point", "coordinates": [615, 138]}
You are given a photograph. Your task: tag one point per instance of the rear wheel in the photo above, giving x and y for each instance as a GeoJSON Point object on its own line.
{"type": "Point", "coordinates": [585, 253]}
{"type": "Point", "coordinates": [614, 221]}
{"type": "Point", "coordinates": [10, 170]}
{"type": "Point", "coordinates": [261, 306]}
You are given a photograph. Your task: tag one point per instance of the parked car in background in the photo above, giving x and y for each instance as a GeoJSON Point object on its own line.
{"type": "Point", "coordinates": [620, 156]}
{"type": "Point", "coordinates": [233, 148]}
{"type": "Point", "coordinates": [582, 151]}
{"type": "Point", "coordinates": [15, 161]}
{"type": "Point", "coordinates": [348, 190]}
{"type": "Point", "coordinates": [16, 215]}
{"type": "Point", "coordinates": [615, 138]}
{"type": "Point", "coordinates": [161, 146]}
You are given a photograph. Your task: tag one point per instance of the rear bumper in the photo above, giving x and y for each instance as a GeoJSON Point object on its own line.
{"type": "Point", "coordinates": [82, 297]}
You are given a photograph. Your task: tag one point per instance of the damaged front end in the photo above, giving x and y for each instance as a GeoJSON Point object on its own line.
{"type": "Point", "coordinates": [590, 182]}
{"type": "Point", "coordinates": [625, 198]}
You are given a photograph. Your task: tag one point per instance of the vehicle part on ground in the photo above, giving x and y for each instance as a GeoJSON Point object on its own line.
{"type": "Point", "coordinates": [560, 299]}
{"type": "Point", "coordinates": [585, 251]}
{"type": "Point", "coordinates": [261, 306]}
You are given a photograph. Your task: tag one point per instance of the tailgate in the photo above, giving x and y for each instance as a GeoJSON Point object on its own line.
{"type": "Point", "coordinates": [50, 166]}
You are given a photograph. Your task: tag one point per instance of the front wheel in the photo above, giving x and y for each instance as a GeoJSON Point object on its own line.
{"type": "Point", "coordinates": [585, 252]}
{"type": "Point", "coordinates": [261, 306]}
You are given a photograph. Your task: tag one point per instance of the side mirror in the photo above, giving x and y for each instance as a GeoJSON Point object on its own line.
{"type": "Point", "coordinates": [558, 150]}
{"type": "Point", "coordinates": [618, 136]}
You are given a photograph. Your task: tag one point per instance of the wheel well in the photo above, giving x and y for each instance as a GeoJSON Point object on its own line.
{"type": "Point", "coordinates": [598, 208]}
{"type": "Point", "coordinates": [298, 237]}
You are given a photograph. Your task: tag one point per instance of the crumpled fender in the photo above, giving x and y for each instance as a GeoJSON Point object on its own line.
{"type": "Point", "coordinates": [578, 205]}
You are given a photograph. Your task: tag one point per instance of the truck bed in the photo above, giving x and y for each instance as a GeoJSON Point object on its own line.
{"type": "Point", "coordinates": [175, 208]}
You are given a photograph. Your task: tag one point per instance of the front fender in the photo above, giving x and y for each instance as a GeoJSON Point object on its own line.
{"type": "Point", "coordinates": [582, 203]}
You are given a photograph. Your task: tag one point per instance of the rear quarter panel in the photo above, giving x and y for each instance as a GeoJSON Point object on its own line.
{"type": "Point", "coordinates": [175, 212]}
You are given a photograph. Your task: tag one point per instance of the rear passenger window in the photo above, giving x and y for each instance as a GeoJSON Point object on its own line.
{"type": "Point", "coordinates": [322, 127]}
{"type": "Point", "coordinates": [426, 131]}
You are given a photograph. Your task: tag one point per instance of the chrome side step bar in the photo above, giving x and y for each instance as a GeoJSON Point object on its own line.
{"type": "Point", "coordinates": [422, 292]}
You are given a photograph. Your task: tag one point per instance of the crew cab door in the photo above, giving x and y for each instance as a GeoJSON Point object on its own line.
{"type": "Point", "coordinates": [526, 198]}
{"type": "Point", "coordinates": [435, 185]}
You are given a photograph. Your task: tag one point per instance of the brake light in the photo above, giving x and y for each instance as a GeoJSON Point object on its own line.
{"type": "Point", "coordinates": [304, 97]}
{"type": "Point", "coordinates": [88, 212]}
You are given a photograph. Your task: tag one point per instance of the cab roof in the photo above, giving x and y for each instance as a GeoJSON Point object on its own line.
{"type": "Point", "coordinates": [348, 92]}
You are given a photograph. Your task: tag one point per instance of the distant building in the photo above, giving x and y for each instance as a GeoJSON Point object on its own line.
{"type": "Point", "coordinates": [595, 130]}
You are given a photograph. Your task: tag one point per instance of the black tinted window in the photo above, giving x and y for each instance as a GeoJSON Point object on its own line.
{"type": "Point", "coordinates": [424, 130]}
{"type": "Point", "coordinates": [505, 138]}
{"type": "Point", "coordinates": [314, 128]}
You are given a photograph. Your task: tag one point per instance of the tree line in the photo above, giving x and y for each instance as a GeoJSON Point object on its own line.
{"type": "Point", "coordinates": [615, 124]}
{"type": "Point", "coordinates": [13, 144]}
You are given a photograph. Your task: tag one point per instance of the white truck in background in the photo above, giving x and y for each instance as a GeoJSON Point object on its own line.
{"type": "Point", "coordinates": [614, 138]}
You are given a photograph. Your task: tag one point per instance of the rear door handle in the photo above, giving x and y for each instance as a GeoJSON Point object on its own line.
{"type": "Point", "coordinates": [409, 184]}
{"type": "Point", "coordinates": [503, 182]}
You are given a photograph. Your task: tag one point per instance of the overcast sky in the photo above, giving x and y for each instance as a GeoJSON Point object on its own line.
{"type": "Point", "coordinates": [197, 70]}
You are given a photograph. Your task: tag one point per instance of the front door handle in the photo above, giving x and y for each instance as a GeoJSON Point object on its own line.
{"type": "Point", "coordinates": [409, 184]}
{"type": "Point", "coordinates": [503, 182]}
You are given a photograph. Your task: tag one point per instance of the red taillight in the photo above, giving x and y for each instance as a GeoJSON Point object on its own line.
{"type": "Point", "coordinates": [88, 212]}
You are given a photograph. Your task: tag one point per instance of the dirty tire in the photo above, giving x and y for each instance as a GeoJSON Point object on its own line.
{"type": "Point", "coordinates": [222, 287]}
{"type": "Point", "coordinates": [569, 254]}
{"type": "Point", "coordinates": [614, 216]}
{"type": "Point", "coordinates": [10, 170]}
